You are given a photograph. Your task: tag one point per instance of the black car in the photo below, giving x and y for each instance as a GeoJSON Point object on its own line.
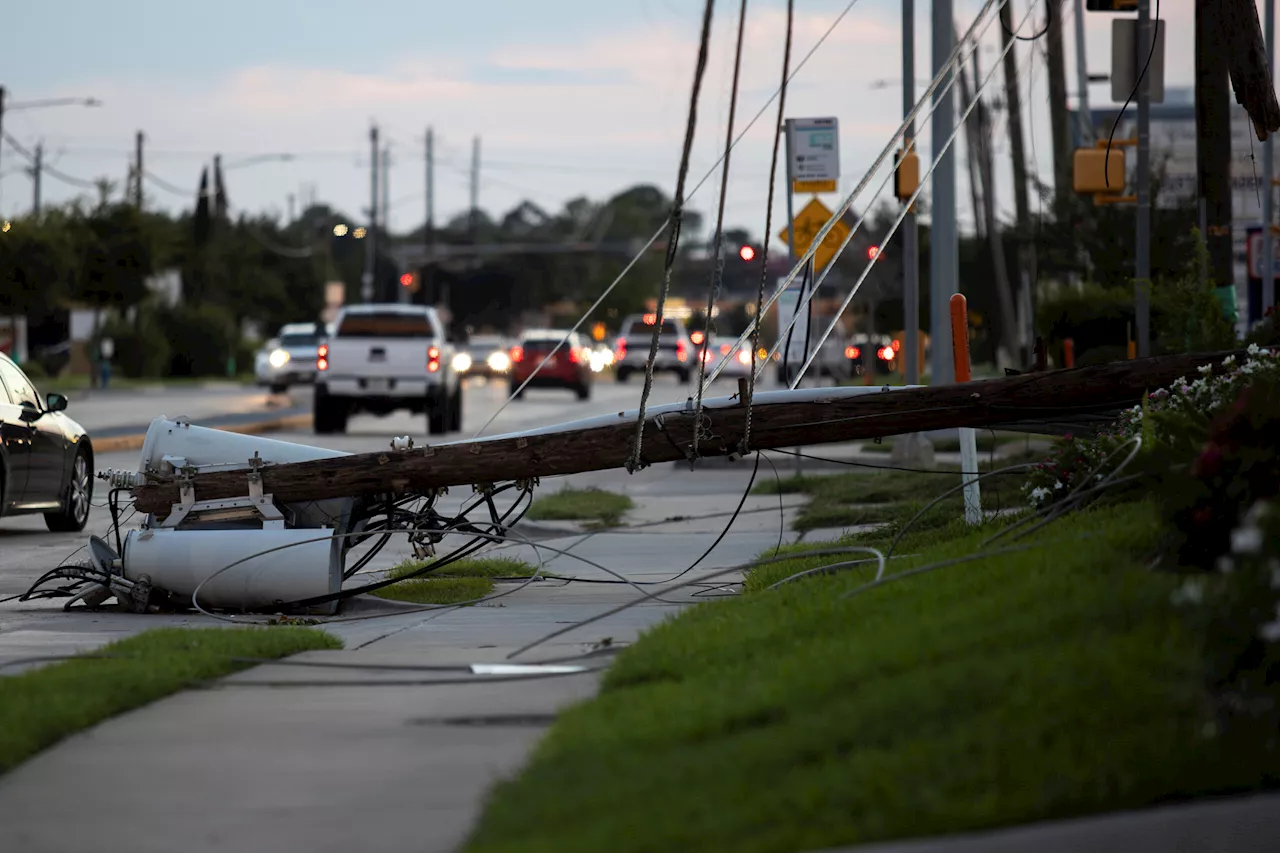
{"type": "Point", "coordinates": [46, 459]}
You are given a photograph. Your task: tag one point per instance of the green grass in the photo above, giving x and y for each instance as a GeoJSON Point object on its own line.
{"type": "Point", "coordinates": [465, 580]}
{"type": "Point", "coordinates": [1038, 685]}
{"type": "Point", "coordinates": [40, 707]}
{"type": "Point", "coordinates": [596, 505]}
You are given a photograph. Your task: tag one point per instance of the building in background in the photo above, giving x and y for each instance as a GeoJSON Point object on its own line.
{"type": "Point", "coordinates": [1173, 156]}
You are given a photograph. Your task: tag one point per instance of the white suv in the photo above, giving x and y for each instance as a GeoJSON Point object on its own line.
{"type": "Point", "coordinates": [674, 348]}
{"type": "Point", "coordinates": [381, 358]}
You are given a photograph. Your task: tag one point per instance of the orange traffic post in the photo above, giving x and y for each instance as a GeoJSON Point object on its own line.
{"type": "Point", "coordinates": [1068, 353]}
{"type": "Point", "coordinates": [1132, 344]}
{"type": "Point", "coordinates": [960, 337]}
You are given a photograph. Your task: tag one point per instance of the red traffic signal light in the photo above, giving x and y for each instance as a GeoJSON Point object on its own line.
{"type": "Point", "coordinates": [873, 252]}
{"type": "Point", "coordinates": [747, 253]}
{"type": "Point", "coordinates": [406, 280]}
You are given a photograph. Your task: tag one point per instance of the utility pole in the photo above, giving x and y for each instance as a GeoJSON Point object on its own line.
{"type": "Point", "coordinates": [1, 118]}
{"type": "Point", "coordinates": [1056, 60]}
{"type": "Point", "coordinates": [475, 186]}
{"type": "Point", "coordinates": [138, 140]}
{"type": "Point", "coordinates": [289, 202]}
{"type": "Point", "coordinates": [943, 243]}
{"type": "Point", "coordinates": [1142, 242]}
{"type": "Point", "coordinates": [1268, 170]}
{"type": "Point", "coordinates": [37, 169]}
{"type": "Point", "coordinates": [371, 233]}
{"type": "Point", "coordinates": [1083, 115]}
{"type": "Point", "coordinates": [1021, 205]}
{"type": "Point", "coordinates": [384, 216]}
{"type": "Point", "coordinates": [439, 288]}
{"type": "Point", "coordinates": [971, 131]}
{"type": "Point", "coordinates": [979, 134]}
{"type": "Point", "coordinates": [1213, 146]}
{"type": "Point", "coordinates": [910, 228]}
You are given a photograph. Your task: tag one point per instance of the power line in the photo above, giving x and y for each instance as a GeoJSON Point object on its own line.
{"type": "Point", "coordinates": [46, 168]}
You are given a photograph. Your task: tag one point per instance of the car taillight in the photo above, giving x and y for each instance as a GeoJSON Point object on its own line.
{"type": "Point", "coordinates": [620, 351]}
{"type": "Point", "coordinates": [852, 352]}
{"type": "Point", "coordinates": [322, 357]}
{"type": "Point", "coordinates": [681, 352]}
{"type": "Point", "coordinates": [724, 349]}
{"type": "Point", "coordinates": [433, 359]}
{"type": "Point", "coordinates": [744, 356]}
{"type": "Point", "coordinates": [517, 355]}
{"type": "Point", "coordinates": [573, 355]}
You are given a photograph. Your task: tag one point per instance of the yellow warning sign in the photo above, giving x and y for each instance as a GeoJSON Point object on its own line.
{"type": "Point", "coordinates": [808, 223]}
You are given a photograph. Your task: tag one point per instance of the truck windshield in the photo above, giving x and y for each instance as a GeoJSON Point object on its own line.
{"type": "Point", "coordinates": [385, 324]}
{"type": "Point", "coordinates": [299, 341]}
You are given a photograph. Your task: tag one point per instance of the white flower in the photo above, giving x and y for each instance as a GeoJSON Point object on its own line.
{"type": "Point", "coordinates": [1253, 349]}
{"type": "Point", "coordinates": [1058, 484]}
{"type": "Point", "coordinates": [1205, 369]}
{"type": "Point", "coordinates": [1191, 592]}
{"type": "Point", "coordinates": [1038, 494]}
{"type": "Point", "coordinates": [1270, 631]}
{"type": "Point", "coordinates": [1228, 361]}
{"type": "Point", "coordinates": [1226, 565]}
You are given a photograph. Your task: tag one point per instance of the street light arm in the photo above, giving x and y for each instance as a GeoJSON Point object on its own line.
{"type": "Point", "coordinates": [53, 102]}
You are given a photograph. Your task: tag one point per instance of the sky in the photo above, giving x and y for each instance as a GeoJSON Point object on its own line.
{"type": "Point", "coordinates": [568, 97]}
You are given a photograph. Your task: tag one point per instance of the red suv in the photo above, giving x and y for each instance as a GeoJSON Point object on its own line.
{"type": "Point", "coordinates": [569, 368]}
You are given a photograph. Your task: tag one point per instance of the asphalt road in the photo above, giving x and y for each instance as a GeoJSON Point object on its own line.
{"type": "Point", "coordinates": [27, 549]}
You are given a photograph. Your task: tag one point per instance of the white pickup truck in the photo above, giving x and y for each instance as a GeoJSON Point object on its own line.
{"type": "Point", "coordinates": [381, 358]}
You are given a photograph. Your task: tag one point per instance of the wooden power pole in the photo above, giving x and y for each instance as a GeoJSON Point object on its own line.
{"type": "Point", "coordinates": [1026, 249]}
{"type": "Point", "coordinates": [1056, 60]}
{"type": "Point", "coordinates": [1053, 400]}
{"type": "Point", "coordinates": [1213, 143]}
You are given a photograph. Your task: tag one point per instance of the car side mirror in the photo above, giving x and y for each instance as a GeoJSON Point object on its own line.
{"type": "Point", "coordinates": [57, 402]}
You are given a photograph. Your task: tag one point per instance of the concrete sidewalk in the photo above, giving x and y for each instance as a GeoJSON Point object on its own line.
{"type": "Point", "coordinates": [348, 759]}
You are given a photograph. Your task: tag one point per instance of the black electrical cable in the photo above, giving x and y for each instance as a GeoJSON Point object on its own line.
{"type": "Point", "coordinates": [1048, 20]}
{"type": "Point", "coordinates": [1106, 160]}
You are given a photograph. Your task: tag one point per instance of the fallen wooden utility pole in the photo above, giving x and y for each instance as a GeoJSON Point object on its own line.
{"type": "Point", "coordinates": [779, 419]}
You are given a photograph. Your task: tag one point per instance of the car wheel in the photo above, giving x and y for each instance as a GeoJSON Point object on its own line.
{"type": "Point", "coordinates": [279, 389]}
{"type": "Point", "coordinates": [683, 376]}
{"type": "Point", "coordinates": [624, 373]}
{"type": "Point", "coordinates": [327, 414]}
{"type": "Point", "coordinates": [583, 391]}
{"type": "Point", "coordinates": [455, 411]}
{"type": "Point", "coordinates": [437, 416]}
{"type": "Point", "coordinates": [74, 514]}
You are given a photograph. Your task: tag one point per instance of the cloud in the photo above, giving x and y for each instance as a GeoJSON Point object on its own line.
{"type": "Point", "coordinates": [557, 120]}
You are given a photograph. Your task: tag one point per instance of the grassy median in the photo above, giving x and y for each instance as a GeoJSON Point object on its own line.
{"type": "Point", "coordinates": [40, 707]}
{"type": "Point", "coordinates": [1047, 683]}
{"type": "Point", "coordinates": [465, 580]}
{"type": "Point", "coordinates": [597, 506]}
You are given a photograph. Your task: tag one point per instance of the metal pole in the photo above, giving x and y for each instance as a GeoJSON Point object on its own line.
{"type": "Point", "coordinates": [1083, 116]}
{"type": "Point", "coordinates": [36, 171]}
{"type": "Point", "coordinates": [370, 246]}
{"type": "Point", "coordinates": [791, 243]}
{"type": "Point", "coordinates": [1268, 173]}
{"type": "Point", "coordinates": [943, 245]}
{"type": "Point", "coordinates": [1142, 262]}
{"type": "Point", "coordinates": [1, 126]}
{"type": "Point", "coordinates": [910, 229]}
{"type": "Point", "coordinates": [139, 139]}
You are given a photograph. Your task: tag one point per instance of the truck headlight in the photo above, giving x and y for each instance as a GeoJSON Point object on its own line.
{"type": "Point", "coordinates": [278, 358]}
{"type": "Point", "coordinates": [499, 362]}
{"type": "Point", "coordinates": [462, 362]}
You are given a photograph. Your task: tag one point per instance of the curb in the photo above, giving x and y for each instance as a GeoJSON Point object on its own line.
{"type": "Point", "coordinates": [118, 443]}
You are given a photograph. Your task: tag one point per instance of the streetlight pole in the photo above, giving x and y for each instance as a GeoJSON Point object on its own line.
{"type": "Point", "coordinates": [47, 102]}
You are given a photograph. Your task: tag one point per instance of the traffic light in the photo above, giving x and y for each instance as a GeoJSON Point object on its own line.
{"type": "Point", "coordinates": [873, 252]}
{"type": "Point", "coordinates": [747, 253]}
{"type": "Point", "coordinates": [906, 175]}
{"type": "Point", "coordinates": [410, 281]}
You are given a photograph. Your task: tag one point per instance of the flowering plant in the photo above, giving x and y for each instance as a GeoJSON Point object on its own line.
{"type": "Point", "coordinates": [1178, 416]}
{"type": "Point", "coordinates": [1238, 611]}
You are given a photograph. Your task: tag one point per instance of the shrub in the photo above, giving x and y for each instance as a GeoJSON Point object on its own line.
{"type": "Point", "coordinates": [200, 339]}
{"type": "Point", "coordinates": [142, 348]}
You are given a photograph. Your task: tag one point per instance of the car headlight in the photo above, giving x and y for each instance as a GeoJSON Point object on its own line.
{"type": "Point", "coordinates": [499, 361]}
{"type": "Point", "coordinates": [278, 358]}
{"type": "Point", "coordinates": [462, 362]}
